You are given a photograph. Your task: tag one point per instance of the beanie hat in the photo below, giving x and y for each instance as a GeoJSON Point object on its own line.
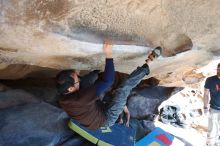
{"type": "Point", "coordinates": [64, 81]}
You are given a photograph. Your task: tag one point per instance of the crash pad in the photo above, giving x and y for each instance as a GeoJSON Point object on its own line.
{"type": "Point", "coordinates": [157, 137]}
{"type": "Point", "coordinates": [116, 135]}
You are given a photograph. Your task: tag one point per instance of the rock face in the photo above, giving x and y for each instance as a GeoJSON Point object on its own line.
{"type": "Point", "coordinates": [63, 34]}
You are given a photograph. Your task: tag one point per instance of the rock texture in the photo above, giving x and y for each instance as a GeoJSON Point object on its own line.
{"type": "Point", "coordinates": [63, 34]}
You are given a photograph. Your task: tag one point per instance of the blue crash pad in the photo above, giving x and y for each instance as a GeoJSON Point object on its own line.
{"type": "Point", "coordinates": [116, 135]}
{"type": "Point", "coordinates": [157, 137]}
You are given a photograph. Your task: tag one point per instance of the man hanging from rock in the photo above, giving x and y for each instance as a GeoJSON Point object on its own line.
{"type": "Point", "coordinates": [82, 104]}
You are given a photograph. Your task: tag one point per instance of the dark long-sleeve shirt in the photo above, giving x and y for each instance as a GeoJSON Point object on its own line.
{"type": "Point", "coordinates": [108, 78]}
{"type": "Point", "coordinates": [82, 105]}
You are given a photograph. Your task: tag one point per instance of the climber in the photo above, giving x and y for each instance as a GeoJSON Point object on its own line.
{"type": "Point", "coordinates": [83, 105]}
